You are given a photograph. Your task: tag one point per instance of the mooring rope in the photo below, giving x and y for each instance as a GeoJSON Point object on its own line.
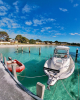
{"type": "Point", "coordinates": [78, 82]}
{"type": "Point", "coordinates": [31, 77]}
{"type": "Point", "coordinates": [67, 91]}
{"type": "Point", "coordinates": [55, 89]}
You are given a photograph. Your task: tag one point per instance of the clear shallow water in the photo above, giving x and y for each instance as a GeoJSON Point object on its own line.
{"type": "Point", "coordinates": [34, 67]}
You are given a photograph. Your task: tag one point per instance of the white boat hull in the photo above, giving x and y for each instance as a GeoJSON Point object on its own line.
{"type": "Point", "coordinates": [64, 72]}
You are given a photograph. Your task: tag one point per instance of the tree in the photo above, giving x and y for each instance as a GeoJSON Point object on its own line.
{"type": "Point", "coordinates": [21, 39]}
{"type": "Point", "coordinates": [4, 36]}
{"type": "Point", "coordinates": [18, 37]}
{"type": "Point", "coordinates": [38, 40]}
{"type": "Point", "coordinates": [24, 40]}
{"type": "Point", "coordinates": [32, 41]}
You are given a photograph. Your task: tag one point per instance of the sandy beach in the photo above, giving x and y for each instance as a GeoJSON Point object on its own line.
{"type": "Point", "coordinates": [27, 45]}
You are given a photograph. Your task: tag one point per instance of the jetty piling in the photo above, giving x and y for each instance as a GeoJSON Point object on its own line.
{"type": "Point", "coordinates": [29, 49]}
{"type": "Point", "coordinates": [14, 70]}
{"type": "Point", "coordinates": [5, 62]}
{"type": "Point", "coordinates": [17, 48]}
{"type": "Point", "coordinates": [40, 88]}
{"type": "Point", "coordinates": [1, 57]}
{"type": "Point", "coordinates": [22, 49]}
{"type": "Point", "coordinates": [76, 54]}
{"type": "Point", "coordinates": [39, 51]}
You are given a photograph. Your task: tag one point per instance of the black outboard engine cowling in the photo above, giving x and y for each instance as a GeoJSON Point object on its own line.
{"type": "Point", "coordinates": [9, 58]}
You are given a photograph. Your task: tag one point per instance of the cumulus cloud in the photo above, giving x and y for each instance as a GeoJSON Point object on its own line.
{"type": "Point", "coordinates": [16, 7]}
{"type": "Point", "coordinates": [27, 8]}
{"type": "Point", "coordinates": [62, 9]}
{"type": "Point", "coordinates": [28, 23]}
{"type": "Point", "coordinates": [10, 23]}
{"type": "Point", "coordinates": [37, 22]}
{"type": "Point", "coordinates": [45, 29]}
{"type": "Point", "coordinates": [1, 2]}
{"type": "Point", "coordinates": [42, 21]}
{"type": "Point", "coordinates": [54, 36]}
{"type": "Point", "coordinates": [75, 5]}
{"type": "Point", "coordinates": [50, 19]}
{"type": "Point", "coordinates": [71, 1]}
{"type": "Point", "coordinates": [4, 7]}
{"type": "Point", "coordinates": [74, 33]}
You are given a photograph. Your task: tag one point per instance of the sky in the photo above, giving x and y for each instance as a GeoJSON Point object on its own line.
{"type": "Point", "coordinates": [48, 20]}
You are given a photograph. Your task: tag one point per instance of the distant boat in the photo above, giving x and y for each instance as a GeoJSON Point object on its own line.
{"type": "Point", "coordinates": [60, 66]}
{"type": "Point", "coordinates": [19, 66]}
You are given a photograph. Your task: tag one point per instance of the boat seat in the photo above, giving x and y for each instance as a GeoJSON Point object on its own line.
{"type": "Point", "coordinates": [53, 70]}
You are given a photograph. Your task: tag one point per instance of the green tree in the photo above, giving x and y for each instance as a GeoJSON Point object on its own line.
{"type": "Point", "coordinates": [38, 40]}
{"type": "Point", "coordinates": [4, 36]}
{"type": "Point", "coordinates": [18, 37]}
{"type": "Point", "coordinates": [24, 40]}
{"type": "Point", "coordinates": [32, 41]}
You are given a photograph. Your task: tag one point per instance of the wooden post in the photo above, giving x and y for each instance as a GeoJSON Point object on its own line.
{"type": "Point", "coordinates": [22, 49]}
{"type": "Point", "coordinates": [40, 90]}
{"type": "Point", "coordinates": [76, 54]}
{"type": "Point", "coordinates": [39, 51]}
{"type": "Point", "coordinates": [14, 70]}
{"type": "Point", "coordinates": [1, 57]}
{"type": "Point", "coordinates": [17, 48]}
{"type": "Point", "coordinates": [5, 62]}
{"type": "Point", "coordinates": [29, 49]}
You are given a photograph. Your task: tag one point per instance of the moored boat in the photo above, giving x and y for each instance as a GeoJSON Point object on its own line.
{"type": "Point", "coordinates": [60, 66]}
{"type": "Point", "coordinates": [19, 66]}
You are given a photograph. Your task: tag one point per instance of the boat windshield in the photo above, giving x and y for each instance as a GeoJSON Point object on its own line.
{"type": "Point", "coordinates": [61, 53]}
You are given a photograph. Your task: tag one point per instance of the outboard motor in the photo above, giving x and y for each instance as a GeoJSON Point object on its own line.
{"type": "Point", "coordinates": [9, 58]}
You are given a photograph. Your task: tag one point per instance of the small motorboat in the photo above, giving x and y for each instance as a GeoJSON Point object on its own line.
{"type": "Point", "coordinates": [19, 66]}
{"type": "Point", "coordinates": [60, 66]}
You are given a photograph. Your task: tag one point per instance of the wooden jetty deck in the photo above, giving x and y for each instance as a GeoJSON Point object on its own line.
{"type": "Point", "coordinates": [9, 90]}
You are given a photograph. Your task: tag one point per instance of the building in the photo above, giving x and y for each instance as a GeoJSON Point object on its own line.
{"type": "Point", "coordinates": [63, 43]}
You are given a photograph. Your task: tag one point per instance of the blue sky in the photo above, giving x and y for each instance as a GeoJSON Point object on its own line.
{"type": "Point", "coordinates": [41, 19]}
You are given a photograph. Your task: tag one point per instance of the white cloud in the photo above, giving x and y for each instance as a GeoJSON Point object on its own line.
{"type": "Point", "coordinates": [10, 23]}
{"type": "Point", "coordinates": [4, 7]}
{"type": "Point", "coordinates": [62, 28]}
{"type": "Point", "coordinates": [28, 23]}
{"type": "Point", "coordinates": [27, 8]}
{"type": "Point", "coordinates": [1, 2]}
{"type": "Point", "coordinates": [75, 5]}
{"type": "Point", "coordinates": [15, 3]}
{"type": "Point", "coordinates": [54, 36]}
{"type": "Point", "coordinates": [45, 29]}
{"type": "Point", "coordinates": [16, 7]}
{"type": "Point", "coordinates": [62, 9]}
{"type": "Point", "coordinates": [71, 1]}
{"type": "Point", "coordinates": [1, 29]}
{"type": "Point", "coordinates": [58, 34]}
{"type": "Point", "coordinates": [42, 21]}
{"type": "Point", "coordinates": [37, 22]}
{"type": "Point", "coordinates": [74, 33]}
{"type": "Point", "coordinates": [50, 19]}
{"type": "Point", "coordinates": [3, 10]}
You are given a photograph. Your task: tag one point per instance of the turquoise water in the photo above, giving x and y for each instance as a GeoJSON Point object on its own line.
{"type": "Point", "coordinates": [66, 89]}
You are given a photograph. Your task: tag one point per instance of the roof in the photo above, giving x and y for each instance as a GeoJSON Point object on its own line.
{"type": "Point", "coordinates": [62, 47]}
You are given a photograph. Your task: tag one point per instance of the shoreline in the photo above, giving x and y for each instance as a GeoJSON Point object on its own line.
{"type": "Point", "coordinates": [29, 45]}
{"type": "Point", "coordinates": [22, 45]}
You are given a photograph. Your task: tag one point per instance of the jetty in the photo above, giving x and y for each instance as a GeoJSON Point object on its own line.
{"type": "Point", "coordinates": [9, 90]}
